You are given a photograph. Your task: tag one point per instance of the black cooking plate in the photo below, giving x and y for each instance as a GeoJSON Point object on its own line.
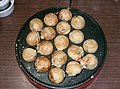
{"type": "Point", "coordinates": [91, 30]}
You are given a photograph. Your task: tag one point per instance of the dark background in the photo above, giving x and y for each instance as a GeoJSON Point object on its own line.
{"type": "Point", "coordinates": [105, 12]}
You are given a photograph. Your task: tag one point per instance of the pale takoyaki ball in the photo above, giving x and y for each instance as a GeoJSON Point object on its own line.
{"type": "Point", "coordinates": [33, 38]}
{"type": "Point", "coordinates": [50, 19]}
{"type": "Point", "coordinates": [56, 75]}
{"type": "Point", "coordinates": [48, 33]}
{"type": "Point", "coordinates": [75, 52]}
{"type": "Point", "coordinates": [78, 22]}
{"type": "Point", "coordinates": [61, 42]}
{"type": "Point", "coordinates": [90, 46]}
{"type": "Point", "coordinates": [42, 64]}
{"type": "Point", "coordinates": [76, 36]}
{"type": "Point", "coordinates": [63, 28]}
{"type": "Point", "coordinates": [89, 61]}
{"type": "Point", "coordinates": [45, 47]}
{"type": "Point", "coordinates": [59, 58]}
{"type": "Point", "coordinates": [65, 15]}
{"type": "Point", "coordinates": [36, 24]}
{"type": "Point", "coordinates": [29, 54]}
{"type": "Point", "coordinates": [73, 68]}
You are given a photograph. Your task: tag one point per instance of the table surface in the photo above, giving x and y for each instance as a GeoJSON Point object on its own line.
{"type": "Point", "coordinates": [107, 14]}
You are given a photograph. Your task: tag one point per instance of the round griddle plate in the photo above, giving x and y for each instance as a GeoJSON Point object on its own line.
{"type": "Point", "coordinates": [92, 30]}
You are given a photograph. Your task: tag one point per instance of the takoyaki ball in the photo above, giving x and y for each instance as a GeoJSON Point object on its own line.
{"type": "Point", "coordinates": [29, 54]}
{"type": "Point", "coordinates": [78, 22]}
{"type": "Point", "coordinates": [65, 15]}
{"type": "Point", "coordinates": [45, 47]}
{"type": "Point", "coordinates": [90, 46]}
{"type": "Point", "coordinates": [75, 52]}
{"type": "Point", "coordinates": [33, 38]}
{"type": "Point", "coordinates": [50, 19]}
{"type": "Point", "coordinates": [89, 61]}
{"type": "Point", "coordinates": [59, 58]}
{"type": "Point", "coordinates": [73, 68]}
{"type": "Point", "coordinates": [48, 33]}
{"type": "Point", "coordinates": [42, 64]}
{"type": "Point", "coordinates": [76, 36]}
{"type": "Point", "coordinates": [56, 75]}
{"type": "Point", "coordinates": [63, 28]}
{"type": "Point", "coordinates": [36, 24]}
{"type": "Point", "coordinates": [61, 42]}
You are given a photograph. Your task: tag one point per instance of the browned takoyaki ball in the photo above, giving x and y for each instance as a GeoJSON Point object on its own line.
{"type": "Point", "coordinates": [76, 36]}
{"type": "Point", "coordinates": [65, 15]}
{"type": "Point", "coordinates": [63, 28]}
{"type": "Point", "coordinates": [73, 68]}
{"type": "Point", "coordinates": [48, 33]}
{"type": "Point", "coordinates": [75, 52]}
{"type": "Point", "coordinates": [45, 47]}
{"type": "Point", "coordinates": [42, 64]}
{"type": "Point", "coordinates": [29, 54]}
{"type": "Point", "coordinates": [78, 22]}
{"type": "Point", "coordinates": [33, 38]}
{"type": "Point", "coordinates": [90, 46]}
{"type": "Point", "coordinates": [36, 24]}
{"type": "Point", "coordinates": [89, 61]}
{"type": "Point", "coordinates": [56, 75]}
{"type": "Point", "coordinates": [59, 58]}
{"type": "Point", "coordinates": [61, 42]}
{"type": "Point", "coordinates": [50, 19]}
